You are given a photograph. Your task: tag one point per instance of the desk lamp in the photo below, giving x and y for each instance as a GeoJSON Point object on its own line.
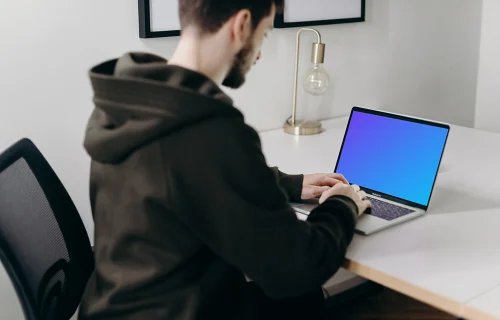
{"type": "Point", "coordinates": [315, 82]}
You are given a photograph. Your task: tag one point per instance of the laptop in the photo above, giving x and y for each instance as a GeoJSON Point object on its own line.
{"type": "Point", "coordinates": [395, 159]}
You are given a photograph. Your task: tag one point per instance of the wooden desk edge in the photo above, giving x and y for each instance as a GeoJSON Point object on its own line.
{"type": "Point", "coordinates": [452, 307]}
{"type": "Point", "coordinates": [472, 313]}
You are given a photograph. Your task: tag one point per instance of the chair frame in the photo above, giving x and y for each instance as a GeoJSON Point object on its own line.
{"type": "Point", "coordinates": [66, 215]}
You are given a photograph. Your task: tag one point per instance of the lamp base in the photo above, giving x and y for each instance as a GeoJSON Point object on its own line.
{"type": "Point", "coordinates": [303, 127]}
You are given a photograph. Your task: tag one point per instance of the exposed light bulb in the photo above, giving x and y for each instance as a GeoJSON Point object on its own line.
{"type": "Point", "coordinates": [316, 80]}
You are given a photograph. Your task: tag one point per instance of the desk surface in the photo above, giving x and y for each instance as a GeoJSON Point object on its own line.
{"type": "Point", "coordinates": [485, 307]}
{"type": "Point", "coordinates": [447, 258]}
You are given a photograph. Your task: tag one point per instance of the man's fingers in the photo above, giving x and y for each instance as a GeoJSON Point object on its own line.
{"type": "Point", "coordinates": [338, 176]}
{"type": "Point", "coordinates": [323, 197]}
{"type": "Point", "coordinates": [328, 181]}
{"type": "Point", "coordinates": [311, 192]}
{"type": "Point", "coordinates": [317, 191]}
{"type": "Point", "coordinates": [362, 195]}
{"type": "Point", "coordinates": [356, 188]}
{"type": "Point", "coordinates": [367, 203]}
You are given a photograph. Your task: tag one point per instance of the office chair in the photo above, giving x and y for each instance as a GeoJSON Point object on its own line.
{"type": "Point", "coordinates": [43, 243]}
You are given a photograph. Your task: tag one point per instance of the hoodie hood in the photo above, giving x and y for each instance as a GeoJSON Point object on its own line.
{"type": "Point", "coordinates": [140, 98]}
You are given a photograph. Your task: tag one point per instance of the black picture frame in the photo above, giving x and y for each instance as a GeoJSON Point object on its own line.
{"type": "Point", "coordinates": [145, 23]}
{"type": "Point", "coordinates": [280, 20]}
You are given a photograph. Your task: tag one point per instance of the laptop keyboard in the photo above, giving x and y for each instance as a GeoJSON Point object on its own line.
{"type": "Point", "coordinates": [387, 211]}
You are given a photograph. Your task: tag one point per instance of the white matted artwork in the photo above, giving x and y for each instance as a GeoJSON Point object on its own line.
{"type": "Point", "coordinates": [300, 13]}
{"type": "Point", "coordinates": [159, 18]}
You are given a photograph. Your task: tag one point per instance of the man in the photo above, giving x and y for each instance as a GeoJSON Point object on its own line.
{"type": "Point", "coordinates": [184, 204]}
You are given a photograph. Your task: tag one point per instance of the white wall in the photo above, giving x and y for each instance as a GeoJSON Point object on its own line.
{"type": "Point", "coordinates": [432, 59]}
{"type": "Point", "coordinates": [488, 89]}
{"type": "Point", "coordinates": [418, 57]}
{"type": "Point", "coordinates": [412, 56]}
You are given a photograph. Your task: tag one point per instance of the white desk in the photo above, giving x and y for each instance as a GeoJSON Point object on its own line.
{"type": "Point", "coordinates": [486, 307]}
{"type": "Point", "coordinates": [447, 258]}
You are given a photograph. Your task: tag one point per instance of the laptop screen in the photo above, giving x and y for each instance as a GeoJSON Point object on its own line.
{"type": "Point", "coordinates": [393, 155]}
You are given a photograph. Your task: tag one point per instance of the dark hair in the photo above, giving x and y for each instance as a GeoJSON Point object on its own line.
{"type": "Point", "coordinates": [210, 15]}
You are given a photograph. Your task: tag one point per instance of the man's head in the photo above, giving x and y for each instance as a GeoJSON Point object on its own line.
{"type": "Point", "coordinates": [240, 25]}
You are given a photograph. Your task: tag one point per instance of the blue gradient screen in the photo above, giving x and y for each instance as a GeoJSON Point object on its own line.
{"type": "Point", "coordinates": [396, 157]}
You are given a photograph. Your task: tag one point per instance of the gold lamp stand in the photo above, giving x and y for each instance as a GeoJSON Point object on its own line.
{"type": "Point", "coordinates": [304, 127]}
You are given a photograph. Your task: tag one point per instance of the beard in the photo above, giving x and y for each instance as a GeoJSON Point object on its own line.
{"type": "Point", "coordinates": [242, 64]}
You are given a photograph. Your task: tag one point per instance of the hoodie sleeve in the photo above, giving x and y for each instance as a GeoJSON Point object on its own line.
{"type": "Point", "coordinates": [291, 184]}
{"type": "Point", "coordinates": [236, 207]}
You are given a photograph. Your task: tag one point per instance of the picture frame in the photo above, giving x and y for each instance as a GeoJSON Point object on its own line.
{"type": "Point", "coordinates": [300, 13]}
{"type": "Point", "coordinates": [158, 18]}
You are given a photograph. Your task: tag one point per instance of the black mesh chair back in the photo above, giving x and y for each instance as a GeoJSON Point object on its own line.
{"type": "Point", "coordinates": [44, 246]}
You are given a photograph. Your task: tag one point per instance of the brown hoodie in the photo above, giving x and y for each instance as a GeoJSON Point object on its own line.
{"type": "Point", "coordinates": [184, 204]}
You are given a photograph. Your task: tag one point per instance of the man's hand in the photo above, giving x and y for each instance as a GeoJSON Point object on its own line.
{"type": "Point", "coordinates": [353, 192]}
{"type": "Point", "coordinates": [315, 184]}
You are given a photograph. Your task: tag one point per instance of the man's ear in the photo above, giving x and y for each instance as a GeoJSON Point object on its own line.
{"type": "Point", "coordinates": [241, 28]}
